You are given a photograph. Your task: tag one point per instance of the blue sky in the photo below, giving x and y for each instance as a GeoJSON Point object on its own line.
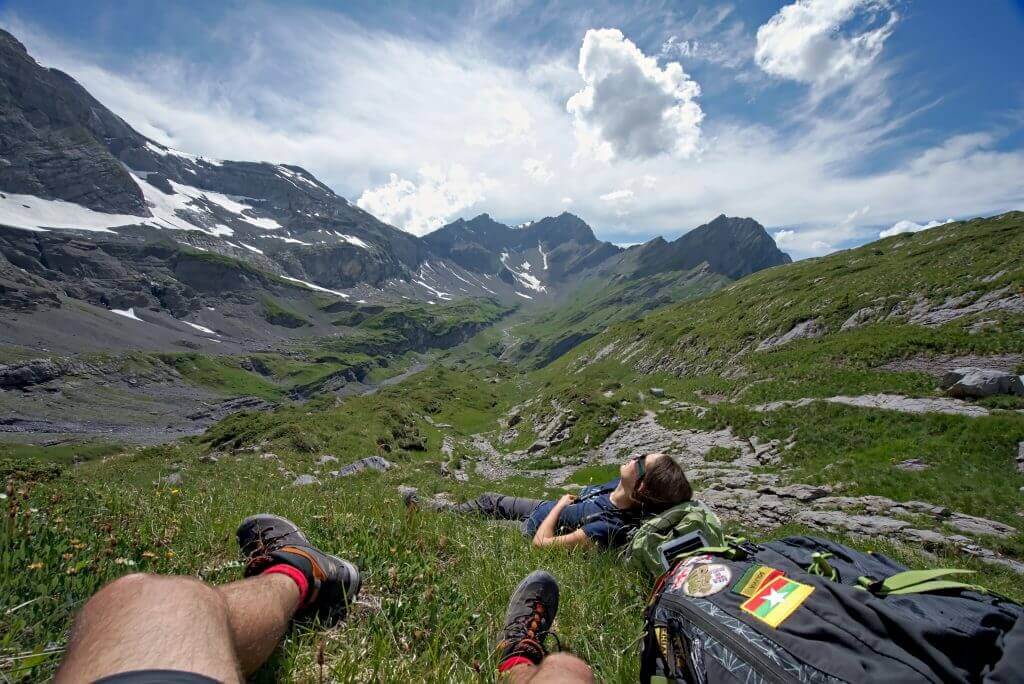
{"type": "Point", "coordinates": [830, 121]}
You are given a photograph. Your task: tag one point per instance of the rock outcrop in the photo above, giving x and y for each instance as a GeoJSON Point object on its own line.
{"type": "Point", "coordinates": [977, 383]}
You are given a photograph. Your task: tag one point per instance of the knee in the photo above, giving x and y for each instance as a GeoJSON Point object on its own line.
{"type": "Point", "coordinates": [565, 667]}
{"type": "Point", "coordinates": [142, 587]}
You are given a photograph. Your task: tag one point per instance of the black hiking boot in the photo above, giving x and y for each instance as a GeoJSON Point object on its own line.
{"type": "Point", "coordinates": [334, 583]}
{"type": "Point", "coordinates": [531, 610]}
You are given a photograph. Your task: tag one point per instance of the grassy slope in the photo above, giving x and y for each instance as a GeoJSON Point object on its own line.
{"type": "Point", "coordinates": [441, 582]}
{"type": "Point", "coordinates": [553, 331]}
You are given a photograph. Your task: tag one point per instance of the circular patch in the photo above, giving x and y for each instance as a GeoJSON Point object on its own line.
{"type": "Point", "coordinates": [696, 560]}
{"type": "Point", "coordinates": [705, 580]}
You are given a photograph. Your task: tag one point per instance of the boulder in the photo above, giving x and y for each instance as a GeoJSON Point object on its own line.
{"type": "Point", "coordinates": [34, 372]}
{"type": "Point", "coordinates": [378, 463]}
{"type": "Point", "coordinates": [303, 480]}
{"type": "Point", "coordinates": [1020, 457]}
{"type": "Point", "coordinates": [973, 525]}
{"type": "Point", "coordinates": [169, 480]}
{"type": "Point", "coordinates": [975, 383]}
{"type": "Point", "coordinates": [657, 392]}
{"type": "Point", "coordinates": [539, 445]}
{"type": "Point", "coordinates": [803, 330]}
{"type": "Point", "coordinates": [326, 458]}
{"type": "Point", "coordinates": [913, 464]}
{"type": "Point", "coordinates": [800, 492]}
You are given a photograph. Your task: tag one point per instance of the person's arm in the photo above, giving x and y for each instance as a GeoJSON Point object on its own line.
{"type": "Point", "coordinates": [546, 536]}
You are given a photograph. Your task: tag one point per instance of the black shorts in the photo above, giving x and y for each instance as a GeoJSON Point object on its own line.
{"type": "Point", "coordinates": [156, 677]}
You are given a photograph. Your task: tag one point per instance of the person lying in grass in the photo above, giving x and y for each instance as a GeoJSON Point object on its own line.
{"type": "Point", "coordinates": [601, 515]}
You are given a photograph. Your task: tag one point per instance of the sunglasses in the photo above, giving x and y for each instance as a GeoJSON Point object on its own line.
{"type": "Point", "coordinates": [640, 470]}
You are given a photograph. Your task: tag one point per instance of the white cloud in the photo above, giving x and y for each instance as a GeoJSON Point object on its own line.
{"type": "Point", "coordinates": [805, 41]}
{"type": "Point", "coordinates": [784, 238]}
{"type": "Point", "coordinates": [538, 170]}
{"type": "Point", "coordinates": [820, 247]}
{"type": "Point", "coordinates": [624, 195]}
{"type": "Point", "coordinates": [354, 105]}
{"type": "Point", "coordinates": [630, 107]}
{"type": "Point", "coordinates": [503, 119]}
{"type": "Point", "coordinates": [427, 205]}
{"type": "Point", "coordinates": [910, 227]}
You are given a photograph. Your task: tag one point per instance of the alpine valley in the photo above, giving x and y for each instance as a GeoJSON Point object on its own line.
{"type": "Point", "coordinates": [185, 340]}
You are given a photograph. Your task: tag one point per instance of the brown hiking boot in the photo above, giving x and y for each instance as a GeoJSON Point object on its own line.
{"type": "Point", "coordinates": [268, 540]}
{"type": "Point", "coordinates": [531, 610]}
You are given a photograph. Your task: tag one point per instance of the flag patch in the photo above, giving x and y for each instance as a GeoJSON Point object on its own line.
{"type": "Point", "coordinates": [776, 600]}
{"type": "Point", "coordinates": [754, 578]}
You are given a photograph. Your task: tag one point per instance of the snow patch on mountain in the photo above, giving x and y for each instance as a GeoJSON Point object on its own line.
{"type": "Point", "coordinates": [525, 279]}
{"type": "Point", "coordinates": [289, 240]}
{"type": "Point", "coordinates": [127, 313]}
{"type": "Point", "coordinates": [165, 151]}
{"type": "Point", "coordinates": [314, 286]}
{"type": "Point", "coordinates": [352, 240]}
{"type": "Point", "coordinates": [200, 328]}
{"type": "Point", "coordinates": [543, 255]}
{"type": "Point", "coordinates": [29, 212]}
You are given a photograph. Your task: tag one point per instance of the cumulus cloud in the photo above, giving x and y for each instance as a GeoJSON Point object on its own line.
{"type": "Point", "coordinates": [427, 205]}
{"type": "Point", "coordinates": [630, 107]}
{"type": "Point", "coordinates": [784, 238]}
{"type": "Point", "coordinates": [910, 227]}
{"type": "Point", "coordinates": [824, 41]}
{"type": "Point", "coordinates": [355, 104]}
{"type": "Point", "coordinates": [624, 195]}
{"type": "Point", "coordinates": [538, 170]}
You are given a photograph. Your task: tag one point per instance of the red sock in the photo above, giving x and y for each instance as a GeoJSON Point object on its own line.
{"type": "Point", "coordinates": [296, 575]}
{"type": "Point", "coordinates": [511, 662]}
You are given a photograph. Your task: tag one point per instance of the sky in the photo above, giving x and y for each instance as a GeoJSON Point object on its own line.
{"type": "Point", "coordinates": [831, 122]}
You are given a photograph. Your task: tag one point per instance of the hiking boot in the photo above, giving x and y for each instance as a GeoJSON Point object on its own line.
{"type": "Point", "coordinates": [268, 540]}
{"type": "Point", "coordinates": [531, 610]}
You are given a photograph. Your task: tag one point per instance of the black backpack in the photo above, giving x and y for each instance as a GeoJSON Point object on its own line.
{"type": "Point", "coordinates": [809, 610]}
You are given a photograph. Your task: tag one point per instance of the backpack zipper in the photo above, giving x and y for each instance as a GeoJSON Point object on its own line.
{"type": "Point", "coordinates": [761, 663]}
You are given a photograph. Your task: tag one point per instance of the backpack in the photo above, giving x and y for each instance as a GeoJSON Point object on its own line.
{"type": "Point", "coordinates": [810, 610]}
{"type": "Point", "coordinates": [687, 519]}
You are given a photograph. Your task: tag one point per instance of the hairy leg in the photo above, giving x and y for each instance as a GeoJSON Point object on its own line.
{"type": "Point", "coordinates": [259, 610]}
{"type": "Point", "coordinates": [560, 668]}
{"type": "Point", "coordinates": [141, 622]}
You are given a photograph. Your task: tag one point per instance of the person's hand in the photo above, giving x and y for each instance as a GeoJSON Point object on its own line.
{"type": "Point", "coordinates": [565, 500]}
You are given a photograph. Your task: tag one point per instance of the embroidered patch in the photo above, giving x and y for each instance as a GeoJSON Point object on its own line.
{"type": "Point", "coordinates": [754, 578]}
{"type": "Point", "coordinates": [683, 570]}
{"type": "Point", "coordinates": [705, 580]}
{"type": "Point", "coordinates": [681, 573]}
{"type": "Point", "coordinates": [776, 600]}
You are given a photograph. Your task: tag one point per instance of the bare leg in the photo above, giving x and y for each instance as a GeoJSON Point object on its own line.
{"type": "Point", "coordinates": [141, 622]}
{"type": "Point", "coordinates": [560, 668]}
{"type": "Point", "coordinates": [259, 609]}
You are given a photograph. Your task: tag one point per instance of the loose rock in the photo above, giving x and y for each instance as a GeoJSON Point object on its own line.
{"type": "Point", "coordinates": [378, 463]}
{"type": "Point", "coordinates": [975, 383]}
{"type": "Point", "coordinates": [913, 464]}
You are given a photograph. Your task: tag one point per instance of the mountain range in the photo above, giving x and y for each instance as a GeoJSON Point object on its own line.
{"type": "Point", "coordinates": [100, 218]}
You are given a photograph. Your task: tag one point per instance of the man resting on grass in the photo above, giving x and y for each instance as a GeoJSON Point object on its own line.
{"type": "Point", "coordinates": [602, 515]}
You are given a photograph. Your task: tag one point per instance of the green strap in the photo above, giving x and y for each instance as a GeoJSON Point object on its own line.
{"type": "Point", "coordinates": [918, 582]}
{"type": "Point", "coordinates": [821, 567]}
{"type": "Point", "coordinates": [905, 580]}
{"type": "Point", "coordinates": [935, 585]}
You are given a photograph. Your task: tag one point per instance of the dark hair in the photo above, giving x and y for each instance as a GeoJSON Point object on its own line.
{"type": "Point", "coordinates": [664, 485]}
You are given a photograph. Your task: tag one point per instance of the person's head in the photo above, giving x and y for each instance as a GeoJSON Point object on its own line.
{"type": "Point", "coordinates": [655, 482]}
